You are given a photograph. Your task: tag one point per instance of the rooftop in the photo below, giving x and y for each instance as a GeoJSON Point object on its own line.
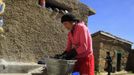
{"type": "Point", "coordinates": [111, 36]}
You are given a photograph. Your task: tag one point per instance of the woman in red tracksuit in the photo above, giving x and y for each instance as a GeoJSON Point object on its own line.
{"type": "Point", "coordinates": [79, 45]}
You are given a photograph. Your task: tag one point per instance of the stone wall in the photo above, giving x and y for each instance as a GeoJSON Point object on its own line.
{"type": "Point", "coordinates": [130, 62]}
{"type": "Point", "coordinates": [113, 46]}
{"type": "Point", "coordinates": [32, 32]}
{"type": "Point", "coordinates": [96, 49]}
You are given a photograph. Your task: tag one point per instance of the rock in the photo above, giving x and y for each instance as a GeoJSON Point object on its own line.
{"type": "Point", "coordinates": [1, 30]}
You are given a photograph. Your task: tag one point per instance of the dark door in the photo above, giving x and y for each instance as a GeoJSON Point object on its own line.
{"type": "Point", "coordinates": [118, 61]}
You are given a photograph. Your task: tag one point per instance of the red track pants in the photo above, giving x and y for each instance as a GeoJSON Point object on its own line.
{"type": "Point", "coordinates": [85, 65]}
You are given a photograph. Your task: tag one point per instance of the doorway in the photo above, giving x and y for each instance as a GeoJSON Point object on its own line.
{"type": "Point", "coordinates": [119, 55]}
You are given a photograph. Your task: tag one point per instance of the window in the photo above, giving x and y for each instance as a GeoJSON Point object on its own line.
{"type": "Point", "coordinates": [54, 6]}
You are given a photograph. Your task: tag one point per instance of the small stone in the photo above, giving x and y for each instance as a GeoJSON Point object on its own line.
{"type": "Point", "coordinates": [62, 11]}
{"type": "Point", "coordinates": [56, 9]}
{"type": "Point", "coordinates": [50, 9]}
{"type": "Point", "coordinates": [66, 11]}
{"type": "Point", "coordinates": [1, 30]}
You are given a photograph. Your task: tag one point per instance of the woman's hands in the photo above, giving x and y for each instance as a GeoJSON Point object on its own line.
{"type": "Point", "coordinates": [67, 55]}
{"type": "Point", "coordinates": [61, 56]}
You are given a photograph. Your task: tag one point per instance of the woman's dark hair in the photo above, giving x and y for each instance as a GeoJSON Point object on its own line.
{"type": "Point", "coordinates": [69, 17]}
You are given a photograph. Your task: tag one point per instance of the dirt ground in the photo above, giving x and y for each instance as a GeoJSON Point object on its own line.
{"type": "Point", "coordinates": [117, 73]}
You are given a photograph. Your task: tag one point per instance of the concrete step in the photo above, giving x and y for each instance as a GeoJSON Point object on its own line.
{"type": "Point", "coordinates": [14, 74]}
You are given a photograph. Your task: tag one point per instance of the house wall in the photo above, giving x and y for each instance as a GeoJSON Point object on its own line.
{"type": "Point", "coordinates": [113, 46]}
{"type": "Point", "coordinates": [32, 32]}
{"type": "Point", "coordinates": [96, 50]}
{"type": "Point", "coordinates": [130, 62]}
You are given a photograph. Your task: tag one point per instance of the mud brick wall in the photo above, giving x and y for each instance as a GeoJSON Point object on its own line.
{"type": "Point", "coordinates": [32, 32]}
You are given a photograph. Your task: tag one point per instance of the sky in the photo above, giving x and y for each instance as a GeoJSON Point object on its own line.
{"type": "Point", "coordinates": [113, 16]}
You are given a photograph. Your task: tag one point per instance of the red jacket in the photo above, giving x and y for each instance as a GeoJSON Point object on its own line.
{"type": "Point", "coordinates": [80, 39]}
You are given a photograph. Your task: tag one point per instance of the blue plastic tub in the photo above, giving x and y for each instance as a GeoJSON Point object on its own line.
{"type": "Point", "coordinates": [75, 73]}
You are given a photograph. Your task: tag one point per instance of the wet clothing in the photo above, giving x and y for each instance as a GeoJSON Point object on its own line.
{"type": "Point", "coordinates": [80, 39]}
{"type": "Point", "coordinates": [67, 55]}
